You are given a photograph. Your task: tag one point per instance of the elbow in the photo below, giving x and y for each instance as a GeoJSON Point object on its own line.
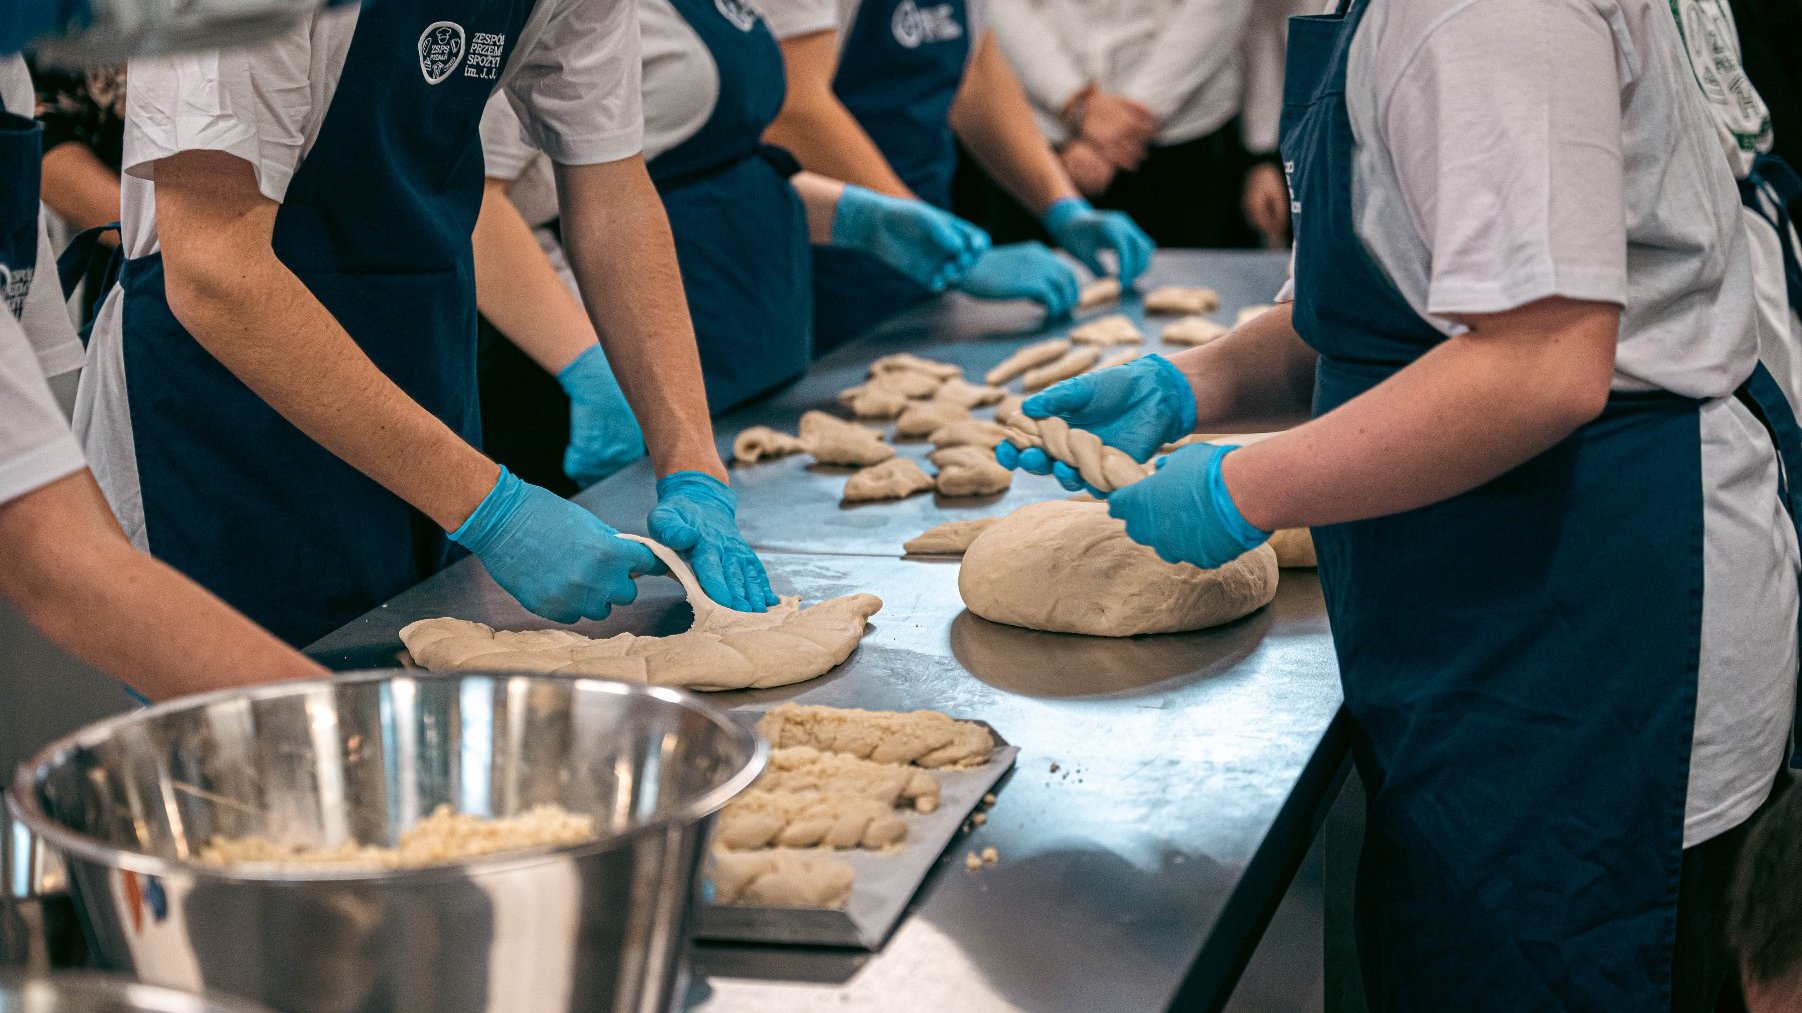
{"type": "Point", "coordinates": [199, 285]}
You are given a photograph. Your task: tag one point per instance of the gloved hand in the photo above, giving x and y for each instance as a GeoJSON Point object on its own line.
{"type": "Point", "coordinates": [558, 559]}
{"type": "Point", "coordinates": [1085, 232]}
{"type": "Point", "coordinates": [603, 433]}
{"type": "Point", "coordinates": [932, 247]}
{"type": "Point", "coordinates": [1023, 271]}
{"type": "Point", "coordinates": [1137, 408]}
{"type": "Point", "coordinates": [1185, 512]}
{"type": "Point", "coordinates": [696, 515]}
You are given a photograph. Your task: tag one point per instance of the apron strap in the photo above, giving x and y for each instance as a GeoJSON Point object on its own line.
{"type": "Point", "coordinates": [1765, 399]}
{"type": "Point", "coordinates": [1774, 192]}
{"type": "Point", "coordinates": [78, 256]}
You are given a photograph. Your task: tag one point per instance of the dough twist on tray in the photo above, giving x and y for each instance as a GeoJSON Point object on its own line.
{"type": "Point", "coordinates": [1104, 467]}
{"type": "Point", "coordinates": [921, 738]}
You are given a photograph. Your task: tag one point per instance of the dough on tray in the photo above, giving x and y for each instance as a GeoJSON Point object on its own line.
{"type": "Point", "coordinates": [1181, 299]}
{"type": "Point", "coordinates": [907, 383]}
{"type": "Point", "coordinates": [1193, 330]}
{"type": "Point", "coordinates": [871, 401]}
{"type": "Point", "coordinates": [832, 440]}
{"type": "Point", "coordinates": [800, 768]}
{"type": "Point", "coordinates": [1294, 548]}
{"type": "Point", "coordinates": [948, 539]}
{"type": "Point", "coordinates": [1251, 313]}
{"type": "Point", "coordinates": [761, 442]}
{"type": "Point", "coordinates": [894, 479]}
{"type": "Point", "coordinates": [970, 471]}
{"type": "Point", "coordinates": [1076, 360]}
{"type": "Point", "coordinates": [1121, 358]}
{"type": "Point", "coordinates": [1036, 354]}
{"type": "Point", "coordinates": [1098, 293]}
{"type": "Point", "coordinates": [723, 650]}
{"type": "Point", "coordinates": [923, 738]}
{"type": "Point", "coordinates": [807, 819]}
{"type": "Point", "coordinates": [964, 394]}
{"type": "Point", "coordinates": [969, 433]}
{"type": "Point", "coordinates": [1068, 567]}
{"type": "Point", "coordinates": [922, 417]}
{"type": "Point", "coordinates": [1104, 467]}
{"type": "Point", "coordinates": [907, 362]}
{"type": "Point", "coordinates": [1114, 329]}
{"type": "Point", "coordinates": [781, 879]}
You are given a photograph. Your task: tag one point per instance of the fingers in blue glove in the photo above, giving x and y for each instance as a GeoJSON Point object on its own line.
{"type": "Point", "coordinates": [1069, 477]}
{"type": "Point", "coordinates": [1062, 399]}
{"type": "Point", "coordinates": [1034, 461]}
{"type": "Point", "coordinates": [1007, 455]}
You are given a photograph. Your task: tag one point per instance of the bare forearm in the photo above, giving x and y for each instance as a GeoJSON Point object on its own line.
{"type": "Point", "coordinates": [619, 243]}
{"type": "Point", "coordinates": [993, 119]}
{"type": "Point", "coordinates": [519, 291]}
{"type": "Point", "coordinates": [1257, 379]}
{"type": "Point", "coordinates": [819, 198]}
{"type": "Point", "coordinates": [73, 575]}
{"type": "Point", "coordinates": [80, 188]}
{"type": "Point", "coordinates": [818, 130]}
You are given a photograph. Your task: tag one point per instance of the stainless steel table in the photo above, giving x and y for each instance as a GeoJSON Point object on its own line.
{"type": "Point", "coordinates": [1166, 786]}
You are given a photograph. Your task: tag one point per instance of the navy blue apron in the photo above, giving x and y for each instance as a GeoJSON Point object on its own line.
{"type": "Point", "coordinates": [377, 224]}
{"type": "Point", "coordinates": [21, 170]}
{"type": "Point", "coordinates": [1519, 662]}
{"type": "Point", "coordinates": [898, 73]}
{"type": "Point", "coordinates": [740, 229]}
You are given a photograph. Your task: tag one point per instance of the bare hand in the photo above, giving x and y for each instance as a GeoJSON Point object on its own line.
{"type": "Point", "coordinates": [1089, 169]}
{"type": "Point", "coordinates": [1267, 203]}
{"type": "Point", "coordinates": [1119, 128]}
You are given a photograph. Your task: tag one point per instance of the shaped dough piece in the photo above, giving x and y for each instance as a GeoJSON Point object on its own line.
{"type": "Point", "coordinates": [964, 394]}
{"type": "Point", "coordinates": [1098, 293]}
{"type": "Point", "coordinates": [907, 383]}
{"type": "Point", "coordinates": [1068, 567]}
{"type": "Point", "coordinates": [1178, 299]}
{"type": "Point", "coordinates": [1103, 467]}
{"type": "Point", "coordinates": [1009, 405]}
{"type": "Point", "coordinates": [1294, 548]}
{"type": "Point", "coordinates": [869, 401]}
{"type": "Point", "coordinates": [1250, 313]}
{"type": "Point", "coordinates": [970, 471]}
{"type": "Point", "coordinates": [760, 443]}
{"type": "Point", "coordinates": [1122, 358]}
{"type": "Point", "coordinates": [807, 819]}
{"type": "Point", "coordinates": [1114, 329]}
{"type": "Point", "coordinates": [723, 650]}
{"type": "Point", "coordinates": [1195, 330]}
{"type": "Point", "coordinates": [1036, 354]}
{"type": "Point", "coordinates": [969, 433]}
{"type": "Point", "coordinates": [948, 539]}
{"type": "Point", "coordinates": [922, 417]}
{"type": "Point", "coordinates": [832, 440]}
{"type": "Point", "coordinates": [907, 362]}
{"type": "Point", "coordinates": [804, 768]}
{"type": "Point", "coordinates": [923, 738]}
{"type": "Point", "coordinates": [1077, 360]}
{"type": "Point", "coordinates": [781, 879]}
{"type": "Point", "coordinates": [896, 479]}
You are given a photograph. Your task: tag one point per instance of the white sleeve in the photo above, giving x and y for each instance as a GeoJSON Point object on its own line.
{"type": "Point", "coordinates": [681, 79]}
{"type": "Point", "coordinates": [36, 446]}
{"type": "Point", "coordinates": [505, 150]}
{"type": "Point", "coordinates": [1504, 127]}
{"type": "Point", "coordinates": [1044, 63]}
{"type": "Point", "coordinates": [1266, 45]}
{"type": "Point", "coordinates": [253, 102]}
{"type": "Point", "coordinates": [1198, 39]}
{"type": "Point", "coordinates": [575, 81]}
{"type": "Point", "coordinates": [790, 19]}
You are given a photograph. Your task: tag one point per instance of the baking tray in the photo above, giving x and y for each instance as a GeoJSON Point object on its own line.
{"type": "Point", "coordinates": [886, 881]}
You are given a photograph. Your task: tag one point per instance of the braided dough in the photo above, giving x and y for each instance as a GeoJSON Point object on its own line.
{"type": "Point", "coordinates": [760, 442]}
{"type": "Point", "coordinates": [948, 539]}
{"type": "Point", "coordinates": [922, 738]}
{"type": "Point", "coordinates": [723, 650]}
{"type": "Point", "coordinates": [1193, 330]}
{"type": "Point", "coordinates": [970, 433]}
{"type": "Point", "coordinates": [798, 766]}
{"type": "Point", "coordinates": [1178, 299]}
{"type": "Point", "coordinates": [764, 819]}
{"type": "Point", "coordinates": [1103, 467]}
{"type": "Point", "coordinates": [1098, 293]}
{"type": "Point", "coordinates": [1076, 360]}
{"type": "Point", "coordinates": [1115, 329]}
{"type": "Point", "coordinates": [781, 879]}
{"type": "Point", "coordinates": [832, 440]}
{"type": "Point", "coordinates": [923, 417]}
{"type": "Point", "coordinates": [1036, 354]}
{"type": "Point", "coordinates": [970, 471]}
{"type": "Point", "coordinates": [893, 479]}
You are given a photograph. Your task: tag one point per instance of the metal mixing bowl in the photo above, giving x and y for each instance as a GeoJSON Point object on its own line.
{"type": "Point", "coordinates": [94, 993]}
{"type": "Point", "coordinates": [131, 801]}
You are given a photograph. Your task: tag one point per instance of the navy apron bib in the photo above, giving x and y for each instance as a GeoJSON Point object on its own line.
{"type": "Point", "coordinates": [740, 230]}
{"type": "Point", "coordinates": [898, 73]}
{"type": "Point", "coordinates": [377, 224]}
{"type": "Point", "coordinates": [1519, 661]}
{"type": "Point", "coordinates": [21, 169]}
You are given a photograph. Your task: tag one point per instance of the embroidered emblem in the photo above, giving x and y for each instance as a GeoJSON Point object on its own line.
{"type": "Point", "coordinates": [440, 50]}
{"type": "Point", "coordinates": [738, 13]}
{"type": "Point", "coordinates": [13, 286]}
{"type": "Point", "coordinates": [487, 50]}
{"type": "Point", "coordinates": [915, 26]}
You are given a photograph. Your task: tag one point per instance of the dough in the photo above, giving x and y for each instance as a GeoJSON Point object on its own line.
{"type": "Point", "coordinates": [1177, 299]}
{"type": "Point", "coordinates": [894, 479]}
{"type": "Point", "coordinates": [969, 433]}
{"type": "Point", "coordinates": [923, 738]}
{"type": "Point", "coordinates": [723, 650]}
{"type": "Point", "coordinates": [1249, 313]}
{"type": "Point", "coordinates": [1009, 405]}
{"type": "Point", "coordinates": [808, 819]}
{"type": "Point", "coordinates": [965, 394]}
{"type": "Point", "coordinates": [907, 383]}
{"type": "Point", "coordinates": [760, 442]}
{"type": "Point", "coordinates": [870, 401]}
{"type": "Point", "coordinates": [781, 879]}
{"type": "Point", "coordinates": [1077, 360]}
{"type": "Point", "coordinates": [1115, 329]}
{"type": "Point", "coordinates": [1036, 354]}
{"type": "Point", "coordinates": [1121, 358]}
{"type": "Point", "coordinates": [1193, 330]}
{"type": "Point", "coordinates": [1104, 467]}
{"type": "Point", "coordinates": [1294, 548]}
{"type": "Point", "coordinates": [922, 417]}
{"type": "Point", "coordinates": [798, 768]}
{"type": "Point", "coordinates": [948, 539]}
{"type": "Point", "coordinates": [907, 362]}
{"type": "Point", "coordinates": [970, 471]}
{"type": "Point", "coordinates": [1070, 568]}
{"type": "Point", "coordinates": [832, 440]}
{"type": "Point", "coordinates": [1098, 293]}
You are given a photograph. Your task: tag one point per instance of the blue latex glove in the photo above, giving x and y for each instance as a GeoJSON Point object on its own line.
{"type": "Point", "coordinates": [1023, 271]}
{"type": "Point", "coordinates": [603, 433]}
{"type": "Point", "coordinates": [1085, 232]}
{"type": "Point", "coordinates": [1137, 407]}
{"type": "Point", "coordinates": [1184, 511]}
{"type": "Point", "coordinates": [558, 559]}
{"type": "Point", "coordinates": [933, 247]}
{"type": "Point", "coordinates": [697, 515]}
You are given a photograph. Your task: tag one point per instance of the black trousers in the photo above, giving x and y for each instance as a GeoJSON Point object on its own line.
{"type": "Point", "coordinates": [525, 414]}
{"type": "Point", "coordinates": [1705, 970]}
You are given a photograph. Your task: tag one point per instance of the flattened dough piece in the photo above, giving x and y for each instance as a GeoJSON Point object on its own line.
{"type": "Point", "coordinates": [760, 443]}
{"type": "Point", "coordinates": [832, 440]}
{"type": "Point", "coordinates": [970, 471]}
{"type": "Point", "coordinates": [923, 738]}
{"type": "Point", "coordinates": [1294, 548]}
{"type": "Point", "coordinates": [893, 479]}
{"type": "Point", "coordinates": [1122, 358]}
{"type": "Point", "coordinates": [969, 433]}
{"type": "Point", "coordinates": [922, 417]}
{"type": "Point", "coordinates": [1076, 360]}
{"type": "Point", "coordinates": [870, 401]}
{"type": "Point", "coordinates": [907, 383]}
{"type": "Point", "coordinates": [1114, 329]}
{"type": "Point", "coordinates": [1068, 567]}
{"type": "Point", "coordinates": [1251, 313]}
{"type": "Point", "coordinates": [948, 539]}
{"type": "Point", "coordinates": [1181, 299]}
{"type": "Point", "coordinates": [1036, 354]}
{"type": "Point", "coordinates": [1098, 293]}
{"type": "Point", "coordinates": [907, 362]}
{"type": "Point", "coordinates": [781, 879]}
{"type": "Point", "coordinates": [1193, 330]}
{"type": "Point", "coordinates": [964, 394]}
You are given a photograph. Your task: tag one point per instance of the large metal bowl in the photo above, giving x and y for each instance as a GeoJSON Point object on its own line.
{"type": "Point", "coordinates": [94, 993]}
{"type": "Point", "coordinates": [131, 801]}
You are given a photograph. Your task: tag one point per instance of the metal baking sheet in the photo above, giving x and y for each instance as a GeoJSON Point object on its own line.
{"type": "Point", "coordinates": [886, 881]}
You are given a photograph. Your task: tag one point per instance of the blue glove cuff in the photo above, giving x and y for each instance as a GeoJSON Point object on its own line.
{"type": "Point", "coordinates": [851, 218]}
{"type": "Point", "coordinates": [1248, 535]}
{"type": "Point", "coordinates": [697, 485]}
{"type": "Point", "coordinates": [1176, 388]}
{"type": "Point", "coordinates": [1060, 214]}
{"type": "Point", "coordinates": [491, 515]}
{"type": "Point", "coordinates": [586, 370]}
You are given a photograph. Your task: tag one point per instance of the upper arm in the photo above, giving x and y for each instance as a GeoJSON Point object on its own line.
{"type": "Point", "coordinates": [576, 81]}
{"type": "Point", "coordinates": [811, 60]}
{"type": "Point", "coordinates": [212, 220]}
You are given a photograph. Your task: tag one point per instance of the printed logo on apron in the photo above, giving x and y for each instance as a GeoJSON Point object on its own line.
{"type": "Point", "coordinates": [440, 50]}
{"type": "Point", "coordinates": [1713, 47]}
{"type": "Point", "coordinates": [14, 283]}
{"type": "Point", "coordinates": [915, 26]}
{"type": "Point", "coordinates": [739, 14]}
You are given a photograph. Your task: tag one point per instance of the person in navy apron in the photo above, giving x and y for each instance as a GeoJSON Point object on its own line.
{"type": "Point", "coordinates": [281, 398]}
{"type": "Point", "coordinates": [1545, 475]}
{"type": "Point", "coordinates": [880, 92]}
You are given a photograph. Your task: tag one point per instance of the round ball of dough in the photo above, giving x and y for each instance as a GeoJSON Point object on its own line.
{"type": "Point", "coordinates": [1294, 548]}
{"type": "Point", "coordinates": [1068, 567]}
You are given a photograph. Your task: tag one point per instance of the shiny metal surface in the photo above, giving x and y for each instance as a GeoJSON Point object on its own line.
{"type": "Point", "coordinates": [130, 801]}
{"type": "Point", "coordinates": [95, 993]}
{"type": "Point", "coordinates": [38, 926]}
{"type": "Point", "coordinates": [1166, 785]}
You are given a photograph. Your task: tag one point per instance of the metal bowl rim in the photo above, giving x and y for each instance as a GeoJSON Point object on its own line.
{"type": "Point", "coordinates": [21, 796]}
{"type": "Point", "coordinates": [119, 986]}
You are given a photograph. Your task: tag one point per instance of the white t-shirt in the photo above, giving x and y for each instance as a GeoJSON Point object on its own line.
{"type": "Point", "coordinates": [36, 447]}
{"type": "Point", "coordinates": [43, 314]}
{"type": "Point", "coordinates": [790, 19]}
